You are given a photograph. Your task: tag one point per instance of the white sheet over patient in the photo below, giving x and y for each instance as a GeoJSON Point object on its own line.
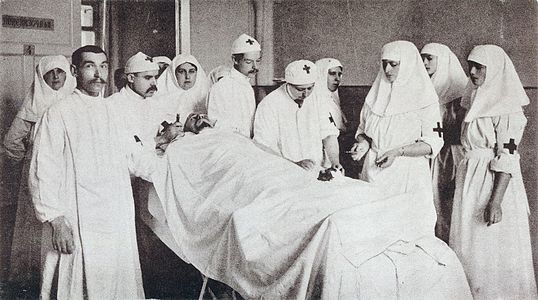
{"type": "Point", "coordinates": [262, 225]}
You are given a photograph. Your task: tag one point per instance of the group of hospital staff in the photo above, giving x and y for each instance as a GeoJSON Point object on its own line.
{"type": "Point", "coordinates": [425, 128]}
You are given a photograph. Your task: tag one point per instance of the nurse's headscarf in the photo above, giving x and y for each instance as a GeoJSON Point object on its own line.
{"type": "Point", "coordinates": [321, 89]}
{"type": "Point", "coordinates": [167, 83]}
{"type": "Point", "coordinates": [41, 96]}
{"type": "Point", "coordinates": [502, 91]}
{"type": "Point", "coordinates": [449, 79]}
{"type": "Point", "coordinates": [412, 89]}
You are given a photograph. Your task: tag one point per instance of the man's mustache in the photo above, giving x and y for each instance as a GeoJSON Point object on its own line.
{"type": "Point", "coordinates": [98, 80]}
{"type": "Point", "coordinates": [253, 71]}
{"type": "Point", "coordinates": [152, 88]}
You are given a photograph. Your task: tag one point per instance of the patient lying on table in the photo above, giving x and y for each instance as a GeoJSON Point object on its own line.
{"type": "Point", "coordinates": [269, 229]}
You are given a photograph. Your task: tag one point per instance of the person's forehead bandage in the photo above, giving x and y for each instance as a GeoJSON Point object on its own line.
{"type": "Point", "coordinates": [245, 43]}
{"type": "Point", "coordinates": [301, 72]}
{"type": "Point", "coordinates": [140, 62]}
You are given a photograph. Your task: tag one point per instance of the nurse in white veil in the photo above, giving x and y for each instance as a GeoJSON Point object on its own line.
{"type": "Point", "coordinates": [184, 87]}
{"type": "Point", "coordinates": [449, 80]}
{"type": "Point", "coordinates": [52, 83]}
{"type": "Point", "coordinates": [329, 77]}
{"type": "Point", "coordinates": [490, 226]}
{"type": "Point", "coordinates": [398, 126]}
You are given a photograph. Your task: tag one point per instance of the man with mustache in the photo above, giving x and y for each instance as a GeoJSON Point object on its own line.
{"type": "Point", "coordinates": [81, 191]}
{"type": "Point", "coordinates": [297, 124]}
{"type": "Point", "coordinates": [231, 100]}
{"type": "Point", "coordinates": [139, 109]}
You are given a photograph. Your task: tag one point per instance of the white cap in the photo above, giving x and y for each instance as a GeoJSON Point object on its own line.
{"type": "Point", "coordinates": [245, 43]}
{"type": "Point", "coordinates": [162, 59]}
{"type": "Point", "coordinates": [140, 62]}
{"type": "Point", "coordinates": [300, 72]}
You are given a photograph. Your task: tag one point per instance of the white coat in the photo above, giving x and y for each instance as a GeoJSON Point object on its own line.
{"type": "Point", "coordinates": [140, 116]}
{"type": "Point", "coordinates": [80, 170]}
{"type": "Point", "coordinates": [295, 133]}
{"type": "Point", "coordinates": [232, 104]}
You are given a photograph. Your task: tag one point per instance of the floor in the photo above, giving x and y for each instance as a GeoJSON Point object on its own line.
{"type": "Point", "coordinates": [165, 276]}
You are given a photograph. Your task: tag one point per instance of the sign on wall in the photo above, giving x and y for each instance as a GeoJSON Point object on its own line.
{"type": "Point", "coordinates": [20, 22]}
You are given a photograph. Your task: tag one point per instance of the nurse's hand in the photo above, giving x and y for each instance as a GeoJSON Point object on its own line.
{"type": "Point", "coordinates": [386, 160]}
{"type": "Point", "coordinates": [306, 164]}
{"type": "Point", "coordinates": [493, 214]}
{"type": "Point", "coordinates": [358, 149]}
{"type": "Point", "coordinates": [62, 235]}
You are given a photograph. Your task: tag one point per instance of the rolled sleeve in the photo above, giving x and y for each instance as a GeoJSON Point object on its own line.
{"type": "Point", "coordinates": [17, 139]}
{"type": "Point", "coordinates": [505, 163]}
{"type": "Point", "coordinates": [509, 131]}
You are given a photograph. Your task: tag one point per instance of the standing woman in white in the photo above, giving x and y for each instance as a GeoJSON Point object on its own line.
{"type": "Point", "coordinates": [398, 124]}
{"type": "Point", "coordinates": [52, 83]}
{"type": "Point", "coordinates": [330, 72]}
{"type": "Point", "coordinates": [184, 87]}
{"type": "Point", "coordinates": [490, 227]}
{"type": "Point", "coordinates": [449, 80]}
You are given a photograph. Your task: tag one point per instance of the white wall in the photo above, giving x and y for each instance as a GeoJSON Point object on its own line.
{"type": "Point", "coordinates": [355, 30]}
{"type": "Point", "coordinates": [215, 24]}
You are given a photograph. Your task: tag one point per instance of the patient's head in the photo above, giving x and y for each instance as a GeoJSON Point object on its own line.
{"type": "Point", "coordinates": [195, 122]}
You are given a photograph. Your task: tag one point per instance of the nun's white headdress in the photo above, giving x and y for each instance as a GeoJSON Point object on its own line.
{"type": "Point", "coordinates": [502, 91]}
{"type": "Point", "coordinates": [412, 89]}
{"type": "Point", "coordinates": [167, 83]}
{"type": "Point", "coordinates": [41, 96]}
{"type": "Point", "coordinates": [449, 79]}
